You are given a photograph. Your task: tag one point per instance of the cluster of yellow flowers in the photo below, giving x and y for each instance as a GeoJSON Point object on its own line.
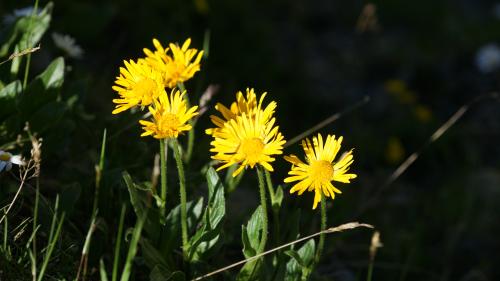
{"type": "Point", "coordinates": [245, 134]}
{"type": "Point", "coordinates": [144, 83]}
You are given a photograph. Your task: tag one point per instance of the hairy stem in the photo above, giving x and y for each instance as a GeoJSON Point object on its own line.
{"type": "Point", "coordinates": [163, 172]}
{"type": "Point", "coordinates": [263, 203]}
{"type": "Point", "coordinates": [321, 244]}
{"type": "Point", "coordinates": [182, 192]}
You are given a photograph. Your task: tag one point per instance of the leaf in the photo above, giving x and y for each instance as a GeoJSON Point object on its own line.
{"type": "Point", "coordinates": [252, 233]}
{"type": "Point", "coordinates": [299, 266]}
{"type": "Point", "coordinates": [138, 199]}
{"type": "Point", "coordinates": [172, 232]}
{"type": "Point", "coordinates": [278, 198]}
{"type": "Point", "coordinates": [7, 98]}
{"type": "Point", "coordinates": [102, 271]}
{"type": "Point", "coordinates": [27, 31]}
{"type": "Point", "coordinates": [159, 273]}
{"type": "Point", "coordinates": [135, 198]}
{"type": "Point", "coordinates": [25, 26]}
{"type": "Point", "coordinates": [250, 271]}
{"type": "Point", "coordinates": [293, 254]}
{"type": "Point", "coordinates": [43, 88]}
{"type": "Point", "coordinates": [152, 257]}
{"type": "Point", "coordinates": [177, 276]}
{"type": "Point", "coordinates": [47, 116]}
{"type": "Point", "coordinates": [208, 234]}
{"type": "Point", "coordinates": [216, 208]}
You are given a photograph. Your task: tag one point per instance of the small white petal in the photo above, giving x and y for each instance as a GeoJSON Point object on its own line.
{"type": "Point", "coordinates": [17, 159]}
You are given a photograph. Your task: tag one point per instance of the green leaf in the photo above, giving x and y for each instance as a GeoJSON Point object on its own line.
{"type": "Point", "coordinates": [293, 254]}
{"type": "Point", "coordinates": [139, 201]}
{"type": "Point", "coordinates": [252, 233]}
{"type": "Point", "coordinates": [136, 199]}
{"type": "Point", "coordinates": [132, 250]}
{"type": "Point", "coordinates": [299, 266]}
{"type": "Point", "coordinates": [102, 271]}
{"type": "Point", "coordinates": [250, 271]}
{"type": "Point", "coordinates": [161, 274]}
{"type": "Point", "coordinates": [27, 32]}
{"type": "Point", "coordinates": [171, 238]}
{"type": "Point", "coordinates": [152, 257]}
{"type": "Point", "coordinates": [43, 88]}
{"type": "Point", "coordinates": [47, 116]}
{"type": "Point", "coordinates": [278, 197]}
{"type": "Point", "coordinates": [7, 98]}
{"type": "Point", "coordinates": [208, 234]}
{"type": "Point", "coordinates": [177, 276]}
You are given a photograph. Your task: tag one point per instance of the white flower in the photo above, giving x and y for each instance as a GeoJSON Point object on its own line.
{"type": "Point", "coordinates": [488, 58]}
{"type": "Point", "coordinates": [7, 159]}
{"type": "Point", "coordinates": [68, 45]}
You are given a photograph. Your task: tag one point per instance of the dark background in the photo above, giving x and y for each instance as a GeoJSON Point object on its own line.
{"type": "Point", "coordinates": [417, 64]}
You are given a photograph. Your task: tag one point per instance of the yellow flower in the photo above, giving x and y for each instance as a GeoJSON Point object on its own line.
{"type": "Point", "coordinates": [175, 67]}
{"type": "Point", "coordinates": [320, 169]}
{"type": "Point", "coordinates": [170, 116]}
{"type": "Point", "coordinates": [248, 139]}
{"type": "Point", "coordinates": [138, 84]}
{"type": "Point", "coordinates": [242, 105]}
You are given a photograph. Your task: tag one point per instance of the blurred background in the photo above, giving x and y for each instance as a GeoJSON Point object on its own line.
{"type": "Point", "coordinates": [418, 62]}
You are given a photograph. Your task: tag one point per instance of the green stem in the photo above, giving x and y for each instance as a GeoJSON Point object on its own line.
{"type": "Point", "coordinates": [28, 59]}
{"type": "Point", "coordinates": [276, 211]}
{"type": "Point", "coordinates": [192, 122]}
{"type": "Point", "coordinates": [116, 259]}
{"type": "Point", "coordinates": [262, 190]}
{"type": "Point", "coordinates": [182, 191]}
{"type": "Point", "coordinates": [35, 222]}
{"type": "Point", "coordinates": [370, 271]}
{"type": "Point", "coordinates": [270, 185]}
{"type": "Point", "coordinates": [98, 175]}
{"type": "Point", "coordinates": [323, 227]}
{"type": "Point", "coordinates": [163, 172]}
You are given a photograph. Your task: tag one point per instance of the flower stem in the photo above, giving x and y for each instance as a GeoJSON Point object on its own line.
{"type": "Point", "coordinates": [321, 244]}
{"type": "Point", "coordinates": [276, 210]}
{"type": "Point", "coordinates": [182, 191]}
{"type": "Point", "coordinates": [192, 122]}
{"type": "Point", "coordinates": [163, 172]}
{"type": "Point", "coordinates": [262, 190]}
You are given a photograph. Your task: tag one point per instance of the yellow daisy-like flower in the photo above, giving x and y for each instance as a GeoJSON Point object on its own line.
{"type": "Point", "coordinates": [176, 67]}
{"type": "Point", "coordinates": [138, 84]}
{"type": "Point", "coordinates": [320, 169]}
{"type": "Point", "coordinates": [170, 116]}
{"type": "Point", "coordinates": [248, 139]}
{"type": "Point", "coordinates": [242, 105]}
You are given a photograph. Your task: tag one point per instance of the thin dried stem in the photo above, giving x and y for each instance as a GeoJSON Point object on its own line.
{"type": "Point", "coordinates": [327, 121]}
{"type": "Point", "coordinates": [339, 228]}
{"type": "Point", "coordinates": [435, 136]}
{"type": "Point", "coordinates": [21, 53]}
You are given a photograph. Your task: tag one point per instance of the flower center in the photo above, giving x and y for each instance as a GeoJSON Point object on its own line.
{"type": "Point", "coordinates": [252, 149]}
{"type": "Point", "coordinates": [169, 122]}
{"type": "Point", "coordinates": [144, 90]}
{"type": "Point", "coordinates": [5, 157]}
{"type": "Point", "coordinates": [321, 170]}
